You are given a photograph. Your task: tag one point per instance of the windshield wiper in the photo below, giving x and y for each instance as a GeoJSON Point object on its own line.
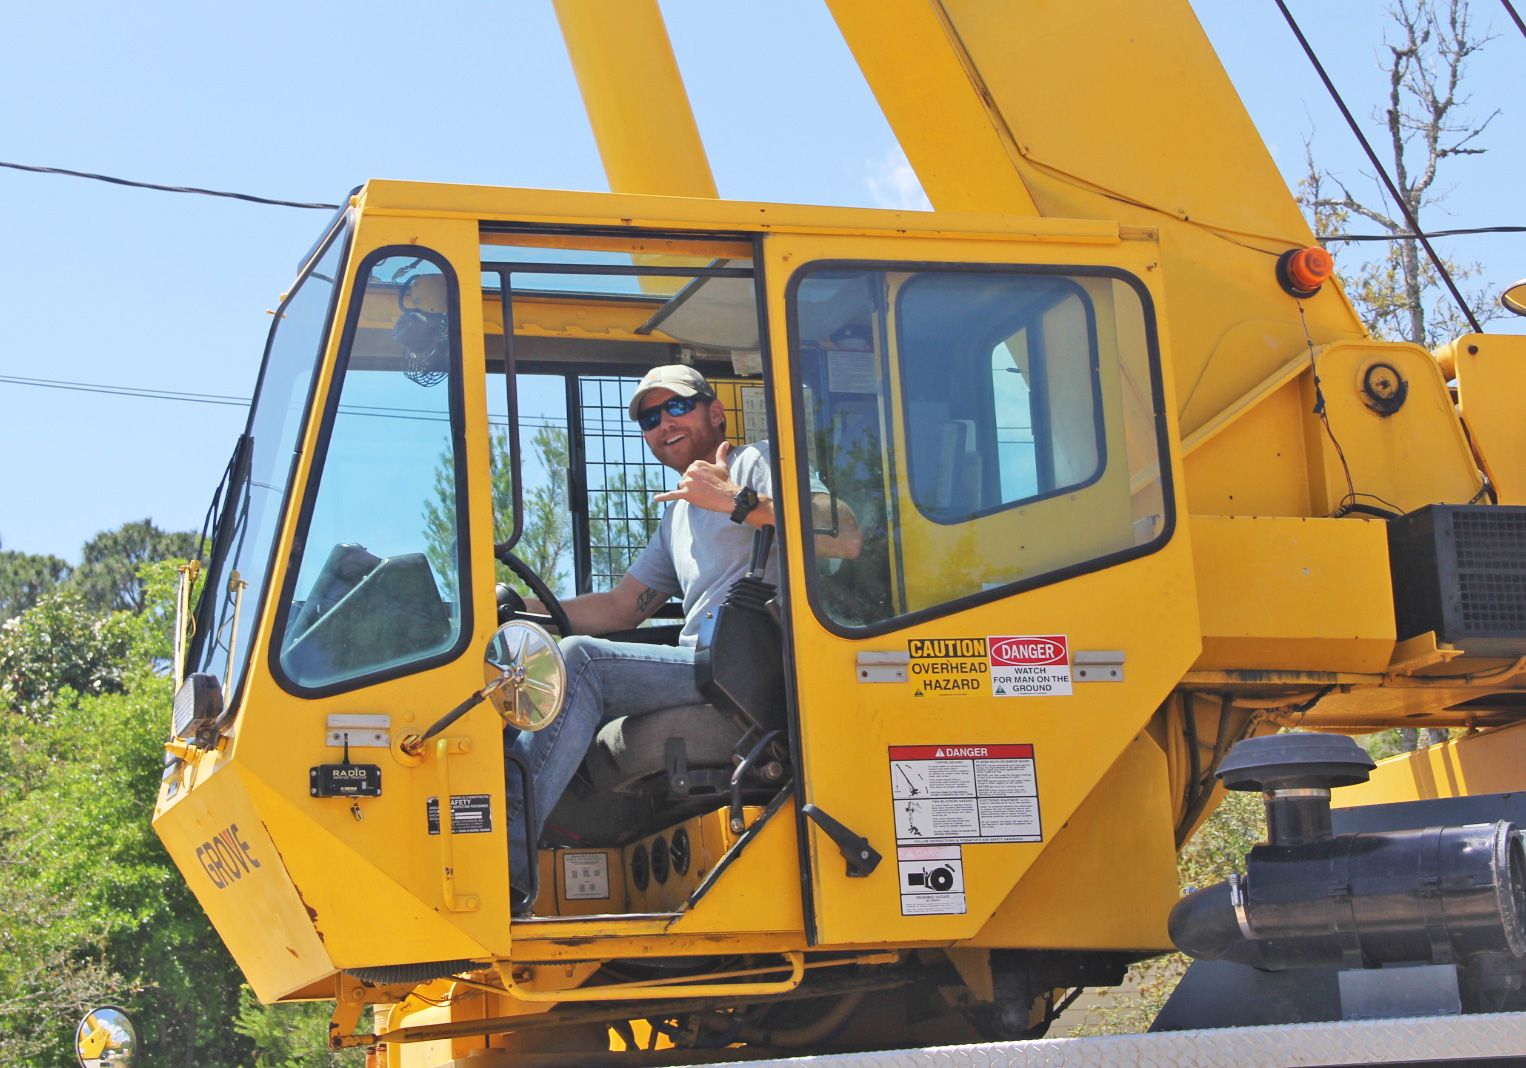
{"type": "Point", "coordinates": [224, 519]}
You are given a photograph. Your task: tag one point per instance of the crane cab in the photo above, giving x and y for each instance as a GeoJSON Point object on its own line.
{"type": "Point", "coordinates": [946, 729]}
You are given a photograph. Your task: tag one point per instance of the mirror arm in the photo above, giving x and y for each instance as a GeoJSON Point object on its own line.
{"type": "Point", "coordinates": [413, 745]}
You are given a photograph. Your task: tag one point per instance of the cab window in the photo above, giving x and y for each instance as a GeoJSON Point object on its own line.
{"type": "Point", "coordinates": [378, 573]}
{"type": "Point", "coordinates": [990, 428]}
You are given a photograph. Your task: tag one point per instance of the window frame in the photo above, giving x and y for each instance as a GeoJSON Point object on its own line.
{"type": "Point", "coordinates": [340, 232]}
{"type": "Point", "coordinates": [814, 580]}
{"type": "Point", "coordinates": [356, 294]}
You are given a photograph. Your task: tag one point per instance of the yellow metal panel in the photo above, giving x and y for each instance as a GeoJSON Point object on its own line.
{"type": "Point", "coordinates": [1167, 144]}
{"type": "Point", "coordinates": [1117, 845]}
{"type": "Point", "coordinates": [847, 727]}
{"type": "Point", "coordinates": [1489, 762]}
{"type": "Point", "coordinates": [369, 906]}
{"type": "Point", "coordinates": [369, 870]}
{"type": "Point", "coordinates": [954, 139]}
{"type": "Point", "coordinates": [1163, 124]}
{"type": "Point", "coordinates": [1266, 439]}
{"type": "Point", "coordinates": [1310, 594]}
{"type": "Point", "coordinates": [635, 97]}
{"type": "Point", "coordinates": [752, 894]}
{"type": "Point", "coordinates": [229, 860]}
{"type": "Point", "coordinates": [422, 200]}
{"type": "Point", "coordinates": [1491, 380]}
{"type": "Point", "coordinates": [1403, 461]}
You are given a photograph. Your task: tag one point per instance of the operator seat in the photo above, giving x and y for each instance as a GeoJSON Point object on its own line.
{"type": "Point", "coordinates": [679, 761]}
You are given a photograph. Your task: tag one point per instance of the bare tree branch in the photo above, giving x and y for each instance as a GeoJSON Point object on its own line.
{"type": "Point", "coordinates": [1425, 56]}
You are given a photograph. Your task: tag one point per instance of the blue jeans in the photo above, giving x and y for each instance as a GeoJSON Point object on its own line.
{"type": "Point", "coordinates": [605, 681]}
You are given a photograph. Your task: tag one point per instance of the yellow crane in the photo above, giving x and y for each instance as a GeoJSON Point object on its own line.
{"type": "Point", "coordinates": [1133, 484]}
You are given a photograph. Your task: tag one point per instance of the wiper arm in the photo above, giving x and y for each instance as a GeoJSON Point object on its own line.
{"type": "Point", "coordinates": [224, 518]}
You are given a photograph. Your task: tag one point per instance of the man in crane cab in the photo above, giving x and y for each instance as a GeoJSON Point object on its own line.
{"type": "Point", "coordinates": [702, 545]}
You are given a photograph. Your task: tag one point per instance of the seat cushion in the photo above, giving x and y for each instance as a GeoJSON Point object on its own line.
{"type": "Point", "coordinates": [632, 748]}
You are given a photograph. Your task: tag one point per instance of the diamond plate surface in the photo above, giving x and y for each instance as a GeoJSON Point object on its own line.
{"type": "Point", "coordinates": [1438, 1039]}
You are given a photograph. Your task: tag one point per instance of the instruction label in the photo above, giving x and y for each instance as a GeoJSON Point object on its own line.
{"type": "Point", "coordinates": [586, 876]}
{"type": "Point", "coordinates": [948, 666]}
{"type": "Point", "coordinates": [932, 880]}
{"type": "Point", "coordinates": [754, 413]}
{"type": "Point", "coordinates": [951, 794]}
{"type": "Point", "coordinates": [1030, 665]}
{"type": "Point", "coordinates": [469, 814]}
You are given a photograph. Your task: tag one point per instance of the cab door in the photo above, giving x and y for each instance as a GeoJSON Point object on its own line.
{"type": "Point", "coordinates": [991, 416]}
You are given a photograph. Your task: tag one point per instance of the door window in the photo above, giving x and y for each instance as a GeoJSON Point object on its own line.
{"type": "Point", "coordinates": [990, 429]}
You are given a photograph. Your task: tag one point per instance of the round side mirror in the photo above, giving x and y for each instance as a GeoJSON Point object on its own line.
{"type": "Point", "coordinates": [106, 1038]}
{"type": "Point", "coordinates": [525, 675]}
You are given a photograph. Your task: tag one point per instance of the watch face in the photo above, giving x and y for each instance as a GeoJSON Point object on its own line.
{"type": "Point", "coordinates": [746, 500]}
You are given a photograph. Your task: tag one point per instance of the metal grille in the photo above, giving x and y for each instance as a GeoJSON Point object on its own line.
{"type": "Point", "coordinates": [1490, 552]}
{"type": "Point", "coordinates": [622, 476]}
{"type": "Point", "coordinates": [622, 479]}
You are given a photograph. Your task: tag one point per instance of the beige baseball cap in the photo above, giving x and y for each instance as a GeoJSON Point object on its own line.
{"type": "Point", "coordinates": [677, 378]}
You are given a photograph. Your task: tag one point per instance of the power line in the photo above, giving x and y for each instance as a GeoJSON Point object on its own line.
{"type": "Point", "coordinates": [127, 391]}
{"type": "Point", "coordinates": [1461, 232]}
{"type": "Point", "coordinates": [1516, 16]}
{"type": "Point", "coordinates": [145, 393]}
{"type": "Point", "coordinates": [112, 180]}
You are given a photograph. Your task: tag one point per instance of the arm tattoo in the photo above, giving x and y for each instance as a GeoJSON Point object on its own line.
{"type": "Point", "coordinates": [647, 600]}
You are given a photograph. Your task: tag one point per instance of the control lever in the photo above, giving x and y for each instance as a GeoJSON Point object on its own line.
{"type": "Point", "coordinates": [762, 541]}
{"type": "Point", "coordinates": [742, 768]}
{"type": "Point", "coordinates": [862, 857]}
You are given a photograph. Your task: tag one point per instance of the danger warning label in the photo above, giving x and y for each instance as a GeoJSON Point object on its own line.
{"type": "Point", "coordinates": [951, 794]}
{"type": "Point", "coordinates": [948, 666]}
{"type": "Point", "coordinates": [932, 880]}
{"type": "Point", "coordinates": [1029, 665]}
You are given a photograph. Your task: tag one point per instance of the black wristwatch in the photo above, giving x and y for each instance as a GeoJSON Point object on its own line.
{"type": "Point", "coordinates": [746, 500]}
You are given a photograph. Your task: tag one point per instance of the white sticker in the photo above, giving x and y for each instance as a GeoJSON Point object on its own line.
{"type": "Point", "coordinates": [853, 372]}
{"type": "Point", "coordinates": [754, 414]}
{"type": "Point", "coordinates": [1029, 665]}
{"type": "Point", "coordinates": [586, 876]}
{"type": "Point", "coordinates": [965, 793]}
{"type": "Point", "coordinates": [932, 880]}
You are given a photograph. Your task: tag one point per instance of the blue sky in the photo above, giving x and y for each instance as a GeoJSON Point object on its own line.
{"type": "Point", "coordinates": [303, 101]}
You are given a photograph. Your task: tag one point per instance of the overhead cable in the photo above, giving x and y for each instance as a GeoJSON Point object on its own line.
{"type": "Point", "coordinates": [1515, 15]}
{"type": "Point", "coordinates": [1393, 190]}
{"type": "Point", "coordinates": [549, 421]}
{"type": "Point", "coordinates": [112, 180]}
{"type": "Point", "coordinates": [1460, 232]}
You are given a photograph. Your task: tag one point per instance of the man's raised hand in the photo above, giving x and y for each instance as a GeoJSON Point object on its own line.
{"type": "Point", "coordinates": [706, 484]}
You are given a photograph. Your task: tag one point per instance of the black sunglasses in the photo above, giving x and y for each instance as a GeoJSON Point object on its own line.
{"type": "Point", "coordinates": [651, 418]}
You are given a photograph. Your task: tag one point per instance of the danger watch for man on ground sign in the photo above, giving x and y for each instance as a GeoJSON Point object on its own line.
{"type": "Point", "coordinates": [1029, 665]}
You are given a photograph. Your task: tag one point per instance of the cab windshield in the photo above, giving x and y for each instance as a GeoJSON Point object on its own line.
{"type": "Point", "coordinates": [249, 503]}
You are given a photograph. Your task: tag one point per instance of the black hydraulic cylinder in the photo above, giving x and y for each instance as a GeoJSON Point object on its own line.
{"type": "Point", "coordinates": [1310, 897]}
{"type": "Point", "coordinates": [1436, 895]}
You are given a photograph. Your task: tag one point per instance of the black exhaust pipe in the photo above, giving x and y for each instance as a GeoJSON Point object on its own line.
{"type": "Point", "coordinates": [1314, 898]}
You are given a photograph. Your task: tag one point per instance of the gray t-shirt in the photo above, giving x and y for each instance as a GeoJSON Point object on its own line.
{"type": "Point", "coordinates": [699, 553]}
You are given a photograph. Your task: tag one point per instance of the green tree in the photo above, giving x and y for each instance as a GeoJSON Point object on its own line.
{"type": "Point", "coordinates": [58, 646]}
{"type": "Point", "coordinates": [108, 575]}
{"type": "Point", "coordinates": [24, 577]}
{"type": "Point", "coordinates": [96, 912]}
{"type": "Point", "coordinates": [622, 517]}
{"type": "Point", "coordinates": [545, 543]}
{"type": "Point", "coordinates": [1399, 295]}
{"type": "Point", "coordinates": [290, 1036]}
